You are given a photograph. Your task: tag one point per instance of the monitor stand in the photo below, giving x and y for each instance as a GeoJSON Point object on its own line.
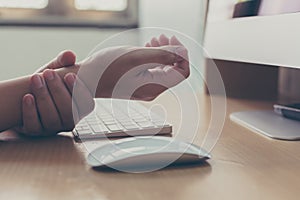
{"type": "Point", "coordinates": [269, 124]}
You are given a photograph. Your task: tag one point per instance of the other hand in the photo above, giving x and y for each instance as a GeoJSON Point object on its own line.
{"type": "Point", "coordinates": [140, 73]}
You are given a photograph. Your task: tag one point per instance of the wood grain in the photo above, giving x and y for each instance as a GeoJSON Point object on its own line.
{"type": "Point", "coordinates": [244, 165]}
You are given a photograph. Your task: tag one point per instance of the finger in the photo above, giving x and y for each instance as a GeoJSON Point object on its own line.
{"type": "Point", "coordinates": [175, 41]}
{"type": "Point", "coordinates": [46, 108]}
{"type": "Point", "coordinates": [183, 68]}
{"type": "Point", "coordinates": [181, 65]}
{"type": "Point", "coordinates": [64, 59]}
{"type": "Point", "coordinates": [61, 97]}
{"type": "Point", "coordinates": [81, 95]}
{"type": "Point", "coordinates": [154, 42]}
{"type": "Point", "coordinates": [31, 121]}
{"type": "Point", "coordinates": [167, 77]}
{"type": "Point", "coordinates": [163, 40]}
{"type": "Point", "coordinates": [178, 71]}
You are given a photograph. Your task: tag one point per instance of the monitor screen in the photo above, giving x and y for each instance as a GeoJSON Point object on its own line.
{"type": "Point", "coordinates": [269, 40]}
{"type": "Point", "coordinates": [273, 7]}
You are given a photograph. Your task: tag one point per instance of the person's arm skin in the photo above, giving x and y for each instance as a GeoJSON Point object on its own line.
{"type": "Point", "coordinates": [12, 91]}
{"type": "Point", "coordinates": [51, 110]}
{"type": "Point", "coordinates": [31, 118]}
{"type": "Point", "coordinates": [140, 73]}
{"type": "Point", "coordinates": [46, 112]}
{"type": "Point", "coordinates": [44, 122]}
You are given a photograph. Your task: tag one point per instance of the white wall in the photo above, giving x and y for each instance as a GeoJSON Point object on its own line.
{"type": "Point", "coordinates": [185, 16]}
{"type": "Point", "coordinates": [23, 50]}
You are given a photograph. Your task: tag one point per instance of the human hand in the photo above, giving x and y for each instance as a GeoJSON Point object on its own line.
{"type": "Point", "coordinates": [49, 109]}
{"type": "Point", "coordinates": [65, 58]}
{"type": "Point", "coordinates": [140, 73]}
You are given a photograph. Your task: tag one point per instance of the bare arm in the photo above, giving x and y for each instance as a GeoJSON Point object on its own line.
{"type": "Point", "coordinates": [129, 70]}
{"type": "Point", "coordinates": [12, 93]}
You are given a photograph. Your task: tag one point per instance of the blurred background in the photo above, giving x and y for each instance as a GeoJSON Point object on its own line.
{"type": "Point", "coordinates": [32, 32]}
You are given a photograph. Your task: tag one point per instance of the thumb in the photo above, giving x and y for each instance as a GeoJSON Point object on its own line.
{"type": "Point", "coordinates": [63, 59]}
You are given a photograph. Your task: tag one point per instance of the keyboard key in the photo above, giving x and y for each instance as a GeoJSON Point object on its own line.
{"type": "Point", "coordinates": [120, 120]}
{"type": "Point", "coordinates": [131, 127]}
{"type": "Point", "coordinates": [145, 124]}
{"type": "Point", "coordinates": [99, 129]}
{"type": "Point", "coordinates": [130, 123]}
{"type": "Point", "coordinates": [83, 127]}
{"type": "Point", "coordinates": [114, 127]}
{"type": "Point", "coordinates": [85, 132]}
{"type": "Point", "coordinates": [141, 120]}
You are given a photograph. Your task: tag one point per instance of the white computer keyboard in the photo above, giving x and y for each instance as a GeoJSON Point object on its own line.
{"type": "Point", "coordinates": [117, 118]}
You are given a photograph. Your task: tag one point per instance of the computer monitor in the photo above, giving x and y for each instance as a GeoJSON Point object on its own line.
{"type": "Point", "coordinates": [269, 39]}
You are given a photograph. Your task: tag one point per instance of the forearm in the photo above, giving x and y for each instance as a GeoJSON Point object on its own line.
{"type": "Point", "coordinates": [113, 69]}
{"type": "Point", "coordinates": [12, 93]}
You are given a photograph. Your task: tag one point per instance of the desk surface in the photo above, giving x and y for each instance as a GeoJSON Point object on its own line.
{"type": "Point", "coordinates": [244, 166]}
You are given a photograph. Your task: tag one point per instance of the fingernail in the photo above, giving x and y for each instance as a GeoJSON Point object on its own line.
{"type": "Point", "coordinates": [71, 79]}
{"type": "Point", "coordinates": [37, 81]}
{"type": "Point", "coordinates": [49, 75]}
{"type": "Point", "coordinates": [28, 101]}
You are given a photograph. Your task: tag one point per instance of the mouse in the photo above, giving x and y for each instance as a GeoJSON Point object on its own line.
{"type": "Point", "coordinates": [145, 153]}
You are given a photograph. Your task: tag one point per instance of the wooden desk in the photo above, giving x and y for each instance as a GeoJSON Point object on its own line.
{"type": "Point", "coordinates": [244, 166]}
